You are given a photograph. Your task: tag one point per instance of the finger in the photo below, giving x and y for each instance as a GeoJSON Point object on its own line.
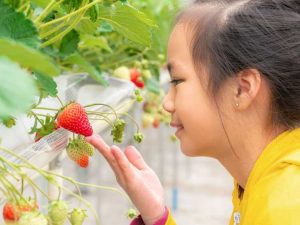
{"type": "Point", "coordinates": [123, 162]}
{"type": "Point", "coordinates": [135, 158]}
{"type": "Point", "coordinates": [97, 141]}
{"type": "Point", "coordinates": [104, 149]}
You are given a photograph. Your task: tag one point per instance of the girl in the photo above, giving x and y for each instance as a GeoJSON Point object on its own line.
{"type": "Point", "coordinates": [234, 96]}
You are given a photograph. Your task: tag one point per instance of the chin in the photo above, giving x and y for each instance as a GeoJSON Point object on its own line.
{"type": "Point", "coordinates": [188, 150]}
{"type": "Point", "coordinates": [193, 151]}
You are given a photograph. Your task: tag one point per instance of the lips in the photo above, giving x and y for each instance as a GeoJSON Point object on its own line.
{"type": "Point", "coordinates": [178, 126]}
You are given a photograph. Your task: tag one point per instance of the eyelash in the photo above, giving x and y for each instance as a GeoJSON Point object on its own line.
{"type": "Point", "coordinates": [175, 81]}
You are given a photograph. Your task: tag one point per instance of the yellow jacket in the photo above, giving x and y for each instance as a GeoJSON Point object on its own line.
{"type": "Point", "coordinates": [272, 192]}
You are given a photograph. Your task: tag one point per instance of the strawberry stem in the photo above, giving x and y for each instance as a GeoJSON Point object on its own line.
{"type": "Point", "coordinates": [101, 104]}
{"type": "Point", "coordinates": [45, 108]}
{"type": "Point", "coordinates": [60, 101]}
{"type": "Point", "coordinates": [37, 118]}
{"type": "Point", "coordinates": [105, 118]}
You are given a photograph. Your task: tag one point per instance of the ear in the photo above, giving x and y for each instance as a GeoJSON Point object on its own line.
{"type": "Point", "coordinates": [247, 87]}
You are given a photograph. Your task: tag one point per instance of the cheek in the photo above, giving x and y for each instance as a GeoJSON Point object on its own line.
{"type": "Point", "coordinates": [201, 122]}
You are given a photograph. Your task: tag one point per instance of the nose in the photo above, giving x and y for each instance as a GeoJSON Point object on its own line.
{"type": "Point", "coordinates": [168, 103]}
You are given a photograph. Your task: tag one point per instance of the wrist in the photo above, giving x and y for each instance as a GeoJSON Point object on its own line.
{"type": "Point", "coordinates": [154, 220]}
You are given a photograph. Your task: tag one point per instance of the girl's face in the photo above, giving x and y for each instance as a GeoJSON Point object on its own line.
{"type": "Point", "coordinates": [194, 112]}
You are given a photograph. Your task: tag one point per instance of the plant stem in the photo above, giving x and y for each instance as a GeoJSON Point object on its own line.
{"type": "Point", "coordinates": [102, 104]}
{"type": "Point", "coordinates": [38, 119]}
{"type": "Point", "coordinates": [60, 101]}
{"type": "Point", "coordinates": [62, 34]}
{"type": "Point", "coordinates": [105, 118]}
{"type": "Point", "coordinates": [45, 108]}
{"type": "Point", "coordinates": [70, 14]}
{"type": "Point", "coordinates": [46, 11]}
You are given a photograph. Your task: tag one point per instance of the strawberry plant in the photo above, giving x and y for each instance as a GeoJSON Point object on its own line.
{"type": "Point", "coordinates": [41, 39]}
{"type": "Point", "coordinates": [20, 209]}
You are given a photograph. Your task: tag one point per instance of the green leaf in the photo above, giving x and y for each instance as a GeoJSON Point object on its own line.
{"type": "Point", "coordinates": [40, 3]}
{"type": "Point", "coordinates": [128, 21]}
{"type": "Point", "coordinates": [81, 62]}
{"type": "Point", "coordinates": [90, 42]}
{"type": "Point", "coordinates": [69, 43]}
{"type": "Point", "coordinates": [86, 26]}
{"type": "Point", "coordinates": [28, 57]}
{"type": "Point", "coordinates": [46, 84]}
{"type": "Point", "coordinates": [17, 89]}
{"type": "Point", "coordinates": [105, 27]}
{"type": "Point", "coordinates": [14, 25]}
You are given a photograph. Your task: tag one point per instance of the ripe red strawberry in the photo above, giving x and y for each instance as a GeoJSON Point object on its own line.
{"type": "Point", "coordinates": [135, 77]}
{"type": "Point", "coordinates": [156, 123]}
{"type": "Point", "coordinates": [83, 161]}
{"type": "Point", "coordinates": [74, 118]}
{"type": "Point", "coordinates": [134, 74]}
{"type": "Point", "coordinates": [10, 212]}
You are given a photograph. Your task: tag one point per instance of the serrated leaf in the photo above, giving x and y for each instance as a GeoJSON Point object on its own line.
{"type": "Point", "coordinates": [69, 43]}
{"type": "Point", "coordinates": [46, 84]}
{"type": "Point", "coordinates": [128, 21]}
{"type": "Point", "coordinates": [14, 25]}
{"type": "Point", "coordinates": [90, 42]}
{"type": "Point", "coordinates": [77, 59]}
{"type": "Point", "coordinates": [28, 57]}
{"type": "Point", "coordinates": [17, 89]}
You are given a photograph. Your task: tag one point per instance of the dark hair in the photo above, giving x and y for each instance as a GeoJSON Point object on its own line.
{"type": "Point", "coordinates": [231, 36]}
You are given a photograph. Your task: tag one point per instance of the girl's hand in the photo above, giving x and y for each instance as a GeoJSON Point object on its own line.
{"type": "Point", "coordinates": [135, 177]}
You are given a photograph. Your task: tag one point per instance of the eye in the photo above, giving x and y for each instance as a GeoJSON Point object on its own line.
{"type": "Point", "coordinates": [175, 81]}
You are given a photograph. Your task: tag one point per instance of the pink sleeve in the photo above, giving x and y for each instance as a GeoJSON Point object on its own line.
{"type": "Point", "coordinates": [161, 221]}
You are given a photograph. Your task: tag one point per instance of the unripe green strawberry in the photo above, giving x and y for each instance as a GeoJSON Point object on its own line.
{"type": "Point", "coordinates": [132, 213]}
{"type": "Point", "coordinates": [118, 130]}
{"type": "Point", "coordinates": [74, 152]}
{"type": "Point", "coordinates": [77, 216]}
{"type": "Point", "coordinates": [147, 119]}
{"type": "Point", "coordinates": [146, 74]}
{"type": "Point", "coordinates": [33, 218]}
{"type": "Point", "coordinates": [58, 212]}
{"type": "Point", "coordinates": [122, 72]}
{"type": "Point", "coordinates": [9, 122]}
{"type": "Point", "coordinates": [84, 146]}
{"type": "Point", "coordinates": [138, 137]}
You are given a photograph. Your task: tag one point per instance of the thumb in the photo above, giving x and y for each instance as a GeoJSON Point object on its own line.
{"type": "Point", "coordinates": [135, 157]}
